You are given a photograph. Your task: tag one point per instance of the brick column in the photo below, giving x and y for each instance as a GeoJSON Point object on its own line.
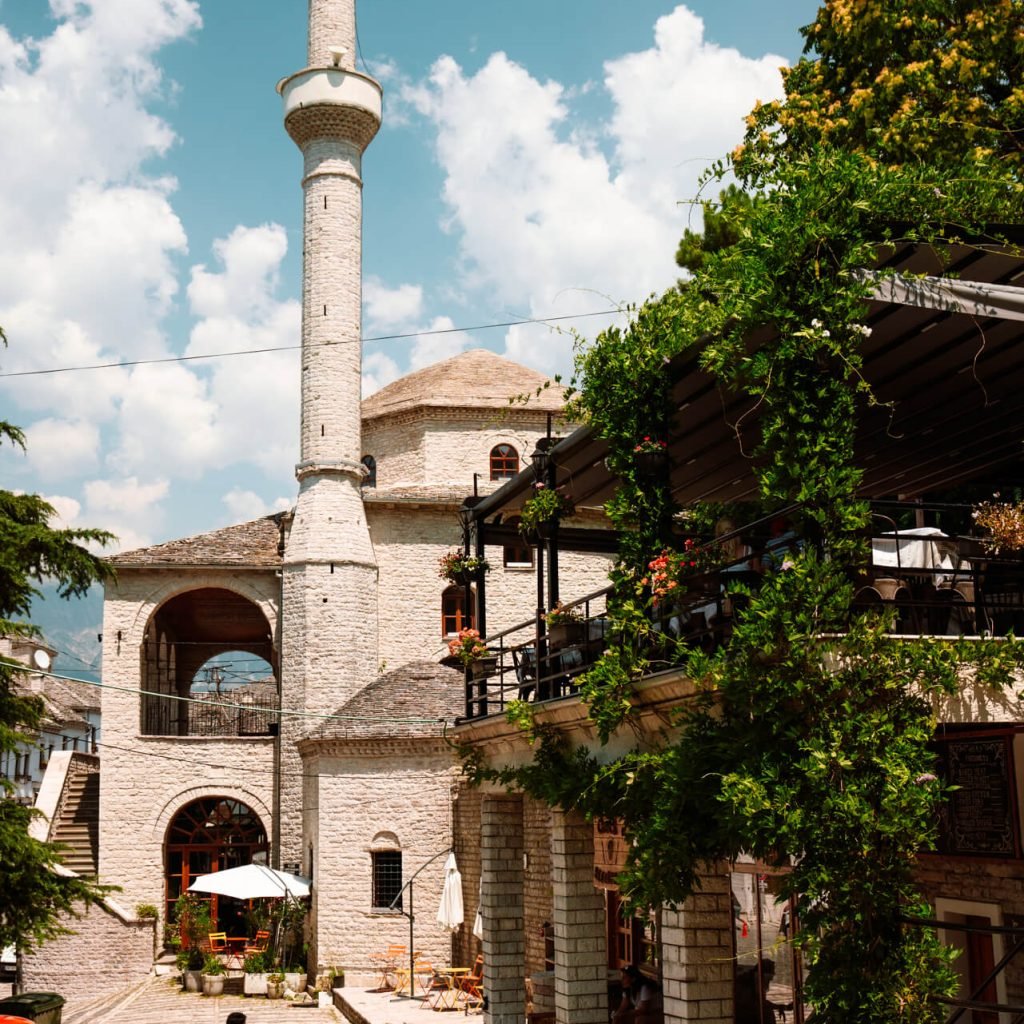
{"type": "Point", "coordinates": [501, 906]}
{"type": "Point", "coordinates": [696, 954]}
{"type": "Point", "coordinates": [581, 955]}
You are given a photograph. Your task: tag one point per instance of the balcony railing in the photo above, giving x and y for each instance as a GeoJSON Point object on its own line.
{"type": "Point", "coordinates": [209, 716]}
{"type": "Point", "coordinates": [935, 580]}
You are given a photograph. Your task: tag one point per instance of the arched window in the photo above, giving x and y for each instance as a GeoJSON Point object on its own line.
{"type": "Point", "coordinates": [370, 480]}
{"type": "Point", "coordinates": [504, 462]}
{"type": "Point", "coordinates": [386, 865]}
{"type": "Point", "coordinates": [454, 615]}
{"type": "Point", "coordinates": [211, 834]}
{"type": "Point", "coordinates": [517, 554]}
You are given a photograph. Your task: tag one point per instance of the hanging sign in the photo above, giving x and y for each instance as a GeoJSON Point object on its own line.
{"type": "Point", "coordinates": [609, 852]}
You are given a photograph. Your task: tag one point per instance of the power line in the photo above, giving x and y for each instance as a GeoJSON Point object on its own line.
{"type": "Point", "coordinates": [124, 364]}
{"type": "Point", "coordinates": [282, 712]}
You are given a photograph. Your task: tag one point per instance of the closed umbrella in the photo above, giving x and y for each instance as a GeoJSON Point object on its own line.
{"type": "Point", "coordinates": [450, 913]}
{"type": "Point", "coordinates": [252, 882]}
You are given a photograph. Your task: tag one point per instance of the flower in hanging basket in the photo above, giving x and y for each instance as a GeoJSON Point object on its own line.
{"type": "Point", "coordinates": [671, 569]}
{"type": "Point", "coordinates": [468, 647]}
{"type": "Point", "coordinates": [1004, 521]}
{"type": "Point", "coordinates": [651, 446]}
{"type": "Point", "coordinates": [562, 614]}
{"type": "Point", "coordinates": [457, 566]}
{"type": "Point", "coordinates": [547, 505]}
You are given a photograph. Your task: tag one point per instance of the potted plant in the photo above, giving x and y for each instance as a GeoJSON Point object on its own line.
{"type": "Point", "coordinates": [190, 963]}
{"type": "Point", "coordinates": [469, 649]}
{"type": "Point", "coordinates": [651, 457]}
{"type": "Point", "coordinates": [1004, 521]}
{"type": "Point", "coordinates": [461, 568]}
{"type": "Point", "coordinates": [213, 976]}
{"type": "Point", "coordinates": [544, 508]}
{"type": "Point", "coordinates": [295, 978]}
{"type": "Point", "coordinates": [566, 626]}
{"type": "Point", "coordinates": [672, 572]}
{"type": "Point", "coordinates": [256, 967]}
{"type": "Point", "coordinates": [275, 985]}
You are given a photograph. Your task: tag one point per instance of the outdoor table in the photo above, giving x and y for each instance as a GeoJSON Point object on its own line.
{"type": "Point", "coordinates": [448, 998]}
{"type": "Point", "coordinates": [924, 547]}
{"type": "Point", "coordinates": [238, 943]}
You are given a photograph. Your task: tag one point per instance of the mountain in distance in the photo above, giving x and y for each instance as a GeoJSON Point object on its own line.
{"type": "Point", "coordinates": [72, 628]}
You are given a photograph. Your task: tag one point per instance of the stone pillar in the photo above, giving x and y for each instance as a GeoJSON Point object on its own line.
{"type": "Point", "coordinates": [501, 906]}
{"type": "Point", "coordinates": [697, 954]}
{"type": "Point", "coordinates": [581, 955]}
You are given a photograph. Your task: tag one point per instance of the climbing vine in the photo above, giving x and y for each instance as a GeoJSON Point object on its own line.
{"type": "Point", "coordinates": [806, 743]}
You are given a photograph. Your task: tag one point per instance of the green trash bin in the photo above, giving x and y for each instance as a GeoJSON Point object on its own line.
{"type": "Point", "coordinates": [40, 1007]}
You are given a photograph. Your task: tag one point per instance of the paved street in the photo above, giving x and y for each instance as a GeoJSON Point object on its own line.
{"type": "Point", "coordinates": [161, 1001]}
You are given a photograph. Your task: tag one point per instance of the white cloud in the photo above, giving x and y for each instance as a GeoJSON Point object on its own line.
{"type": "Point", "coordinates": [62, 448]}
{"type": "Point", "coordinates": [390, 309]}
{"type": "Point", "coordinates": [547, 222]}
{"type": "Point", "coordinates": [245, 505]}
{"type": "Point", "coordinates": [379, 369]}
{"type": "Point", "coordinates": [129, 508]}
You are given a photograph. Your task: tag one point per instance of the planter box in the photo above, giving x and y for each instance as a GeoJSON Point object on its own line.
{"type": "Point", "coordinates": [255, 984]}
{"type": "Point", "coordinates": [565, 634]}
{"type": "Point", "coordinates": [483, 667]}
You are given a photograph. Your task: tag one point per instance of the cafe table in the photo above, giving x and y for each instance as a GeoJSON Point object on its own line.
{"type": "Point", "coordinates": [446, 996]}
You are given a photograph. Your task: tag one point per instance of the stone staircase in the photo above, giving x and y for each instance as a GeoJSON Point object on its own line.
{"type": "Point", "coordinates": [78, 825]}
{"type": "Point", "coordinates": [69, 800]}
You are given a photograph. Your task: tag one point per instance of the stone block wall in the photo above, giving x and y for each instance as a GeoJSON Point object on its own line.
{"type": "Point", "coordinates": [366, 788]}
{"type": "Point", "coordinates": [466, 817]}
{"type": "Point", "coordinates": [107, 951]}
{"type": "Point", "coordinates": [146, 780]}
{"type": "Point", "coordinates": [537, 884]}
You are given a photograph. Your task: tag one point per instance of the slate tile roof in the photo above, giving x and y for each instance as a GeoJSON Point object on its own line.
{"type": "Point", "coordinates": [253, 544]}
{"type": "Point", "coordinates": [477, 379]}
{"type": "Point", "coordinates": [417, 690]}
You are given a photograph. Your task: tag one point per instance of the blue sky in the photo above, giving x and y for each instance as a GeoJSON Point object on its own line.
{"type": "Point", "coordinates": [535, 160]}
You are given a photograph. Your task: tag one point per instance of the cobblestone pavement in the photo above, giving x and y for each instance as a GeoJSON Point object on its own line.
{"type": "Point", "coordinates": [160, 1000]}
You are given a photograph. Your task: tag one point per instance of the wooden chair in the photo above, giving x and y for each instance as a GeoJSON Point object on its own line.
{"type": "Point", "coordinates": [220, 947]}
{"type": "Point", "coordinates": [258, 945]}
{"type": "Point", "coordinates": [472, 984]}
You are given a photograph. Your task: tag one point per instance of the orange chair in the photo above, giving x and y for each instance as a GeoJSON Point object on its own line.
{"type": "Point", "coordinates": [258, 945]}
{"type": "Point", "coordinates": [220, 947]}
{"type": "Point", "coordinates": [472, 984]}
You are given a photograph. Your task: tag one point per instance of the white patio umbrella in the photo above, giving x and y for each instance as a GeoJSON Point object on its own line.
{"type": "Point", "coordinates": [252, 882]}
{"type": "Point", "coordinates": [450, 914]}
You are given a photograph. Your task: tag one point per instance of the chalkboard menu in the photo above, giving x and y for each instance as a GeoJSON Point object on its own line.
{"type": "Point", "coordinates": [979, 816]}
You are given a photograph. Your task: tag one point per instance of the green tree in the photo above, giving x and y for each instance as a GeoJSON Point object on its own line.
{"type": "Point", "coordinates": [938, 81]}
{"type": "Point", "coordinates": [34, 892]}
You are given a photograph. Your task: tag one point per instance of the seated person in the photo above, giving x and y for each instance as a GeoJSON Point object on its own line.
{"type": "Point", "coordinates": [641, 999]}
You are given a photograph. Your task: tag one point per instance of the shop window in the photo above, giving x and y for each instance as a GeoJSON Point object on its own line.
{"type": "Point", "coordinates": [517, 554]}
{"type": "Point", "coordinates": [370, 480]}
{"type": "Point", "coordinates": [504, 462]}
{"type": "Point", "coordinates": [454, 613]}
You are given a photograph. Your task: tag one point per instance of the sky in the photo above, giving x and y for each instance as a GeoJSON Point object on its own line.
{"type": "Point", "coordinates": [537, 160]}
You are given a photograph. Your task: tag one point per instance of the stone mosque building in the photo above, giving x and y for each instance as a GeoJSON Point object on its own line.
{"type": "Point", "coordinates": [333, 761]}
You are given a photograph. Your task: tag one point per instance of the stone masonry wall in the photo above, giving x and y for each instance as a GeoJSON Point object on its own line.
{"type": "Point", "coordinates": [107, 951]}
{"type": "Point", "coordinates": [146, 780]}
{"type": "Point", "coordinates": [537, 885]}
{"type": "Point", "coordinates": [408, 544]}
{"type": "Point", "coordinates": [379, 787]}
{"type": "Point", "coordinates": [466, 817]}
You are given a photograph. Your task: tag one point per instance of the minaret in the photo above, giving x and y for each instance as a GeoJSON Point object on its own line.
{"type": "Point", "coordinates": [329, 585]}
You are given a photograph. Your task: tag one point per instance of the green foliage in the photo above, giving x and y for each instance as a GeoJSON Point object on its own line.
{"type": "Point", "coordinates": [258, 963]}
{"type": "Point", "coordinates": [806, 744]}
{"type": "Point", "coordinates": [545, 505]}
{"type": "Point", "coordinates": [192, 915]}
{"type": "Point", "coordinates": [146, 911]}
{"type": "Point", "coordinates": [33, 896]}
{"type": "Point", "coordinates": [212, 964]}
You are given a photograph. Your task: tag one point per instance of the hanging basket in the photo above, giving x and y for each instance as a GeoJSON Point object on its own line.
{"type": "Point", "coordinates": [652, 464]}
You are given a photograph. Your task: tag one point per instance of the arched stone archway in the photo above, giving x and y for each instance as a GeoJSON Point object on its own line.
{"type": "Point", "coordinates": [182, 635]}
{"type": "Point", "coordinates": [212, 833]}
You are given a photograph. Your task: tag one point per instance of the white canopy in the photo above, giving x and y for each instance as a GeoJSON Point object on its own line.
{"type": "Point", "coordinates": [251, 882]}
